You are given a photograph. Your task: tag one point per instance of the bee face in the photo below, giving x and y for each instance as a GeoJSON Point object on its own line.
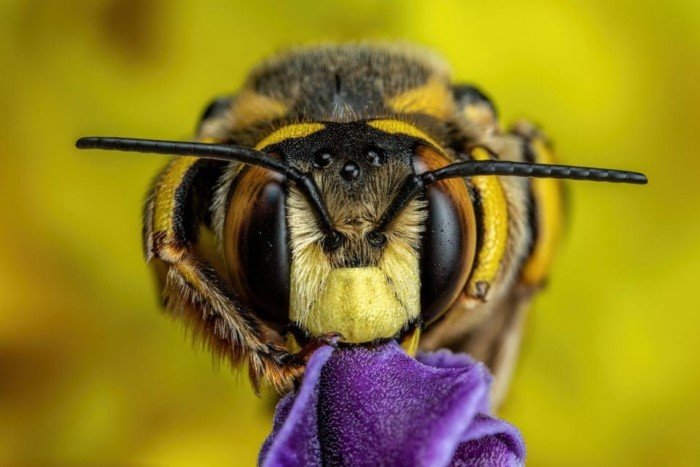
{"type": "Point", "coordinates": [364, 285]}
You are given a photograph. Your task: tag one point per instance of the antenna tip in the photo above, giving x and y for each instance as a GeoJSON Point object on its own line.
{"type": "Point", "coordinates": [85, 142]}
{"type": "Point", "coordinates": [640, 178]}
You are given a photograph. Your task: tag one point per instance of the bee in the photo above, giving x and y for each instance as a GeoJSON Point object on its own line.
{"type": "Point", "coordinates": [354, 194]}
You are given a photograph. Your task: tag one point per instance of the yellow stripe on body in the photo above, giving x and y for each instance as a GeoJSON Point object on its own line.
{"type": "Point", "coordinates": [394, 127]}
{"type": "Point", "coordinates": [494, 226]}
{"type": "Point", "coordinates": [433, 98]}
{"type": "Point", "coordinates": [550, 210]}
{"type": "Point", "coordinates": [296, 130]}
{"type": "Point", "coordinates": [251, 107]}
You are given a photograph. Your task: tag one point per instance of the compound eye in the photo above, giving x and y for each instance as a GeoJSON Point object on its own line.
{"type": "Point", "coordinates": [255, 243]}
{"type": "Point", "coordinates": [449, 240]}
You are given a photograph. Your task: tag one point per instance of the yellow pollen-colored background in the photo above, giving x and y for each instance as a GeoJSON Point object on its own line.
{"type": "Point", "coordinates": [91, 372]}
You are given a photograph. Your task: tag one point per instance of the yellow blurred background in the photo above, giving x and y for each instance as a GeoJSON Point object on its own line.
{"type": "Point", "coordinates": [92, 372]}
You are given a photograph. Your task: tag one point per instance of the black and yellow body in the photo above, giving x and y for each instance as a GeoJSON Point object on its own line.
{"type": "Point", "coordinates": [375, 212]}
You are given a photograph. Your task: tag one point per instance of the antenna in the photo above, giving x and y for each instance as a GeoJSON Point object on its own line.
{"type": "Point", "coordinates": [416, 183]}
{"type": "Point", "coordinates": [220, 152]}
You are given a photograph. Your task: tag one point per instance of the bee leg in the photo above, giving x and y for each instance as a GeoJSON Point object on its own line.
{"type": "Point", "coordinates": [547, 206]}
{"type": "Point", "coordinates": [491, 331]}
{"type": "Point", "coordinates": [302, 356]}
{"type": "Point", "coordinates": [298, 360]}
{"type": "Point", "coordinates": [546, 222]}
{"type": "Point", "coordinates": [192, 288]}
{"type": "Point", "coordinates": [496, 341]}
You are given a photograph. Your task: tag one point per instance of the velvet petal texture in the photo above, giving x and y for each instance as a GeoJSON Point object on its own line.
{"type": "Point", "coordinates": [378, 406]}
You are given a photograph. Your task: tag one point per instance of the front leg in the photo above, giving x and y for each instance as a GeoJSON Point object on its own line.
{"type": "Point", "coordinates": [194, 291]}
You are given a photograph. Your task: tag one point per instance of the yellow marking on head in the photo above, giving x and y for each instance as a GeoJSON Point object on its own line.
{"type": "Point", "coordinates": [251, 107]}
{"type": "Point", "coordinates": [394, 127]}
{"type": "Point", "coordinates": [550, 209]}
{"type": "Point", "coordinates": [433, 98]}
{"type": "Point", "coordinates": [363, 303]}
{"type": "Point", "coordinates": [169, 182]}
{"type": "Point", "coordinates": [410, 342]}
{"type": "Point", "coordinates": [359, 304]}
{"type": "Point", "coordinates": [494, 208]}
{"type": "Point", "coordinates": [296, 130]}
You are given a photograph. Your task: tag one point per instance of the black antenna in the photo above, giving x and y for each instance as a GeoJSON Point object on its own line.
{"type": "Point", "coordinates": [528, 169]}
{"type": "Point", "coordinates": [416, 183]}
{"type": "Point", "coordinates": [220, 152]}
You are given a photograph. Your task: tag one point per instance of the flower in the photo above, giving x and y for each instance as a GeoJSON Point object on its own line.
{"type": "Point", "coordinates": [379, 406]}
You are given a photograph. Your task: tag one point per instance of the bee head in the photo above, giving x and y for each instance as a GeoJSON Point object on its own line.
{"type": "Point", "coordinates": [365, 229]}
{"type": "Point", "coordinates": [354, 279]}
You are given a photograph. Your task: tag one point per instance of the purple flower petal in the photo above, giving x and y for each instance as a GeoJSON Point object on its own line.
{"type": "Point", "coordinates": [379, 406]}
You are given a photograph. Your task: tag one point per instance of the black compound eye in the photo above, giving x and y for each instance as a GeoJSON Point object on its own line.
{"type": "Point", "coordinates": [256, 243]}
{"type": "Point", "coordinates": [376, 157]}
{"type": "Point", "coordinates": [322, 159]}
{"type": "Point", "coordinates": [449, 239]}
